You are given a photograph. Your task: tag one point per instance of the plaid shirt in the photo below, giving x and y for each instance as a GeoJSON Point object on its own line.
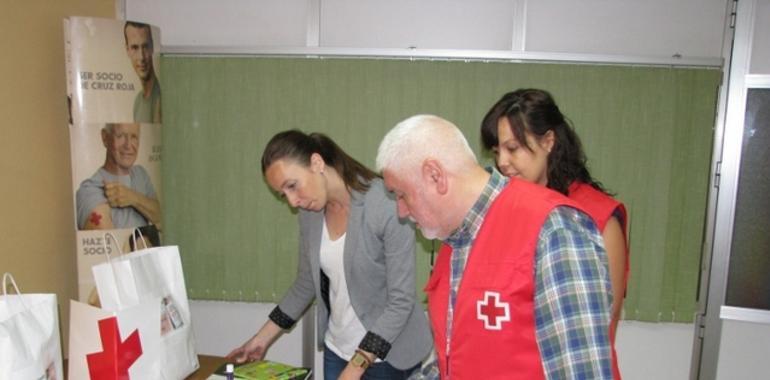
{"type": "Point", "coordinates": [572, 302]}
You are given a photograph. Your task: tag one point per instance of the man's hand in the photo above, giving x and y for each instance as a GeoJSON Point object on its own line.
{"type": "Point", "coordinates": [121, 196]}
{"type": "Point", "coordinates": [118, 195]}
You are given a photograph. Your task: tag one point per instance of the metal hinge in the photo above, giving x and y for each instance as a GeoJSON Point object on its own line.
{"type": "Point", "coordinates": [700, 323]}
{"type": "Point", "coordinates": [733, 14]}
{"type": "Point", "coordinates": [717, 174]}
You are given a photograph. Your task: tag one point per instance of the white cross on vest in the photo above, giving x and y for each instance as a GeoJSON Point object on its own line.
{"type": "Point", "coordinates": [492, 311]}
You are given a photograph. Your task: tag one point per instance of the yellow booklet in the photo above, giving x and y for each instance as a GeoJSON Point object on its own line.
{"type": "Point", "coordinates": [268, 370]}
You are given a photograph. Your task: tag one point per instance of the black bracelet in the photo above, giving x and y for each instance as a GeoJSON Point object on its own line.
{"type": "Point", "coordinates": [375, 344]}
{"type": "Point", "coordinates": [281, 319]}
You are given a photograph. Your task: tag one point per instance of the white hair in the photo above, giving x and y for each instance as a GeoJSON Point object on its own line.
{"type": "Point", "coordinates": [422, 137]}
{"type": "Point", "coordinates": [110, 127]}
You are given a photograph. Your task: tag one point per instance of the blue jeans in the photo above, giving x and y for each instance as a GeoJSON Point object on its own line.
{"type": "Point", "coordinates": [333, 366]}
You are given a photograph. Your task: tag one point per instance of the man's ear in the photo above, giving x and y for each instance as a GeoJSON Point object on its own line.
{"type": "Point", "coordinates": [317, 164]}
{"type": "Point", "coordinates": [434, 174]}
{"type": "Point", "coordinates": [105, 137]}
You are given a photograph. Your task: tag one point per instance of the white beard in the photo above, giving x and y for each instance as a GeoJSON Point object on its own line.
{"type": "Point", "coordinates": [428, 233]}
{"type": "Point", "coordinates": [431, 234]}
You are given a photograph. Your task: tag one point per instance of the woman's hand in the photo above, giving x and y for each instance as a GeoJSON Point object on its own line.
{"type": "Point", "coordinates": [255, 348]}
{"type": "Point", "coordinates": [351, 373]}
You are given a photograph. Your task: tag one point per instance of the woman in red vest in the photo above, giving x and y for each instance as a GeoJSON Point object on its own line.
{"type": "Point", "coordinates": [531, 139]}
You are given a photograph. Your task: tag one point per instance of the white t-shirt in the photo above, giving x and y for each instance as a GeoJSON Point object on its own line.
{"type": "Point", "coordinates": [345, 330]}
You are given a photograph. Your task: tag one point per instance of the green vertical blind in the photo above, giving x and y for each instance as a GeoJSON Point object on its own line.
{"type": "Point", "coordinates": [647, 132]}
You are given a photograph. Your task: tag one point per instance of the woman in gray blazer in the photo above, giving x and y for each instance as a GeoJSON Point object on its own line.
{"type": "Point", "coordinates": [355, 255]}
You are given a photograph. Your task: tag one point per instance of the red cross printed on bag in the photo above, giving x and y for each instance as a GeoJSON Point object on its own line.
{"type": "Point", "coordinates": [493, 312]}
{"type": "Point", "coordinates": [116, 357]}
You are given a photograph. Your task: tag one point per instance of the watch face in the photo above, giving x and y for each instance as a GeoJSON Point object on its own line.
{"type": "Point", "coordinates": [359, 360]}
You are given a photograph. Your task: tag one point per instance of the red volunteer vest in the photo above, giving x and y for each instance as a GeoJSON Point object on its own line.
{"type": "Point", "coordinates": [601, 208]}
{"type": "Point", "coordinates": [598, 205]}
{"type": "Point", "coordinates": [493, 331]}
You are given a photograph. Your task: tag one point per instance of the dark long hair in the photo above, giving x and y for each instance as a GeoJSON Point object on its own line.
{"type": "Point", "coordinates": [534, 111]}
{"type": "Point", "coordinates": [299, 146]}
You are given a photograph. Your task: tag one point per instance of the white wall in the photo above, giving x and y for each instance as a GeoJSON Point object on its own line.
{"type": "Point", "coordinates": [230, 22]}
{"type": "Point", "coordinates": [431, 24]}
{"type": "Point", "coordinates": [220, 327]}
{"type": "Point", "coordinates": [651, 28]}
{"type": "Point", "coordinates": [744, 351]}
{"type": "Point", "coordinates": [760, 46]}
{"type": "Point", "coordinates": [658, 351]}
{"type": "Point", "coordinates": [690, 28]}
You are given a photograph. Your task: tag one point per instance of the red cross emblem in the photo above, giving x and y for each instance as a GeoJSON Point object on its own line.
{"type": "Point", "coordinates": [95, 218]}
{"type": "Point", "coordinates": [117, 356]}
{"type": "Point", "coordinates": [492, 311]}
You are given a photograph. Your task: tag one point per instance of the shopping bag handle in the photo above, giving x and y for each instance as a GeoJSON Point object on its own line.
{"type": "Point", "coordinates": [134, 234]}
{"type": "Point", "coordinates": [7, 276]}
{"type": "Point", "coordinates": [107, 236]}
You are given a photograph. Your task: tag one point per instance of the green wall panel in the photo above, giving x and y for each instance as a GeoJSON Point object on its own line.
{"type": "Point", "coordinates": [647, 132]}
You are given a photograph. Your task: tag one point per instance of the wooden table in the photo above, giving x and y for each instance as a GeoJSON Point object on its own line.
{"type": "Point", "coordinates": [208, 364]}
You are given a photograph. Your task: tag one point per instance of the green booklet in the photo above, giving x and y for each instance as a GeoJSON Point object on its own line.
{"type": "Point", "coordinates": [267, 370]}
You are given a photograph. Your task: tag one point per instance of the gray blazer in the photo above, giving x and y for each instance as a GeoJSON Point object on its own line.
{"type": "Point", "coordinates": [379, 270]}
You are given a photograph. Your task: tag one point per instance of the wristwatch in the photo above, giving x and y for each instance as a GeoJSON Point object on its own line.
{"type": "Point", "coordinates": [360, 360]}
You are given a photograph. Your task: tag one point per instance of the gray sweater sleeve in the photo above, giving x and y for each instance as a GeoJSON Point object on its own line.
{"type": "Point", "coordinates": [398, 241]}
{"type": "Point", "coordinates": [302, 291]}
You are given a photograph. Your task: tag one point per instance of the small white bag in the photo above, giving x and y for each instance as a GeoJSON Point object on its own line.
{"type": "Point", "coordinates": [153, 273]}
{"type": "Point", "coordinates": [29, 335]}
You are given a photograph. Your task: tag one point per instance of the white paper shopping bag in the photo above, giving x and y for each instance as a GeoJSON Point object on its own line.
{"type": "Point", "coordinates": [153, 273]}
{"type": "Point", "coordinates": [29, 335]}
{"type": "Point", "coordinates": [115, 345]}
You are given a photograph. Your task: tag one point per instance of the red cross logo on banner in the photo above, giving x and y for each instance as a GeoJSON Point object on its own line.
{"type": "Point", "coordinates": [113, 362]}
{"type": "Point", "coordinates": [492, 311]}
